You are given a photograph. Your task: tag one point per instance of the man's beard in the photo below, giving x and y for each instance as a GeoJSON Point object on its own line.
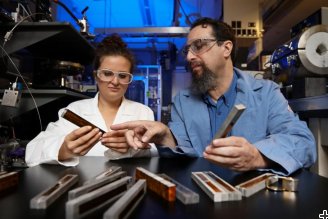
{"type": "Point", "coordinates": [203, 82]}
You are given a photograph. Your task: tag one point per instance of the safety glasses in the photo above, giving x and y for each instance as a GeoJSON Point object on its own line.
{"type": "Point", "coordinates": [108, 75]}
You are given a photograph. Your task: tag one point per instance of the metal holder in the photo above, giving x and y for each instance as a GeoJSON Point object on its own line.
{"type": "Point", "coordinates": [47, 197]}
{"type": "Point", "coordinates": [215, 187]}
{"type": "Point", "coordinates": [98, 199]}
{"type": "Point", "coordinates": [157, 184]}
{"type": "Point", "coordinates": [230, 121]}
{"type": "Point", "coordinates": [8, 180]}
{"type": "Point", "coordinates": [281, 183]}
{"type": "Point", "coordinates": [123, 207]}
{"type": "Point", "coordinates": [184, 194]}
{"type": "Point", "coordinates": [254, 185]}
{"type": "Point", "coordinates": [110, 171]}
{"type": "Point", "coordinates": [78, 120]}
{"type": "Point", "coordinates": [93, 185]}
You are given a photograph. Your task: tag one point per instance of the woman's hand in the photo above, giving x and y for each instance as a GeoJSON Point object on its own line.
{"type": "Point", "coordinates": [79, 142]}
{"type": "Point", "coordinates": [116, 141]}
{"type": "Point", "coordinates": [141, 133]}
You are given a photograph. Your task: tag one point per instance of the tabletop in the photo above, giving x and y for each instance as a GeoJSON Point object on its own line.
{"type": "Point", "coordinates": [309, 202]}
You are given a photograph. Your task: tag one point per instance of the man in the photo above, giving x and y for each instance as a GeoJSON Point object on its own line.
{"type": "Point", "coordinates": [268, 135]}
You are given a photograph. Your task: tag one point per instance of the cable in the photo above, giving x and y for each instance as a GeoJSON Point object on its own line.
{"type": "Point", "coordinates": [7, 37]}
{"type": "Point", "coordinates": [9, 34]}
{"type": "Point", "coordinates": [28, 89]}
{"type": "Point", "coordinates": [183, 11]}
{"type": "Point", "coordinates": [24, 9]}
{"type": "Point", "coordinates": [28, 8]}
{"type": "Point", "coordinates": [69, 12]}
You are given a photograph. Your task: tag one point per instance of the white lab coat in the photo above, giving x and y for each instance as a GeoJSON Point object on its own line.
{"type": "Point", "coordinates": [44, 148]}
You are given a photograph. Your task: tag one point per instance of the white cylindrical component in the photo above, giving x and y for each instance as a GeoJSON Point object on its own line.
{"type": "Point", "coordinates": [313, 49]}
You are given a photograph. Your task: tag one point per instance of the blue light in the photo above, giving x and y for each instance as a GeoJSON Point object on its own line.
{"type": "Point", "coordinates": [139, 14]}
{"type": "Point", "coordinates": [111, 13]}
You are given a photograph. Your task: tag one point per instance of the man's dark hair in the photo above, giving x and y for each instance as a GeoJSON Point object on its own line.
{"type": "Point", "coordinates": [221, 31]}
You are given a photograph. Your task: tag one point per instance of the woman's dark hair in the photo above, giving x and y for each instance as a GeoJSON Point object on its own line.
{"type": "Point", "coordinates": [221, 31]}
{"type": "Point", "coordinates": [113, 45]}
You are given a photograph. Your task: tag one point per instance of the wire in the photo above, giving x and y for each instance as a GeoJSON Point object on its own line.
{"type": "Point", "coordinates": [183, 11]}
{"type": "Point", "coordinates": [70, 13]}
{"type": "Point", "coordinates": [7, 37]}
{"type": "Point", "coordinates": [28, 89]}
{"type": "Point", "coordinates": [28, 8]}
{"type": "Point", "coordinates": [24, 9]}
{"type": "Point", "coordinates": [9, 34]}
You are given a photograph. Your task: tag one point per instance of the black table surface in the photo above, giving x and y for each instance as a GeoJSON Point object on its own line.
{"type": "Point", "coordinates": [310, 201]}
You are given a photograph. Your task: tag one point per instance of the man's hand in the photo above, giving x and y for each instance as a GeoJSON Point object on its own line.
{"type": "Point", "coordinates": [235, 153]}
{"type": "Point", "coordinates": [142, 132]}
{"type": "Point", "coordinates": [79, 142]}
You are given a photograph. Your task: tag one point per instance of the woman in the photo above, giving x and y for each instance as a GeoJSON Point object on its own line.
{"type": "Point", "coordinates": [63, 142]}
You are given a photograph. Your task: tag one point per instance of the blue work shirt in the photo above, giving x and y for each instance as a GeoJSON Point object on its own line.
{"type": "Point", "coordinates": [219, 110]}
{"type": "Point", "coordinates": [267, 123]}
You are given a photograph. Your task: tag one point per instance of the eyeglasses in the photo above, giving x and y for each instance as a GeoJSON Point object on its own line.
{"type": "Point", "coordinates": [199, 46]}
{"type": "Point", "coordinates": [108, 75]}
